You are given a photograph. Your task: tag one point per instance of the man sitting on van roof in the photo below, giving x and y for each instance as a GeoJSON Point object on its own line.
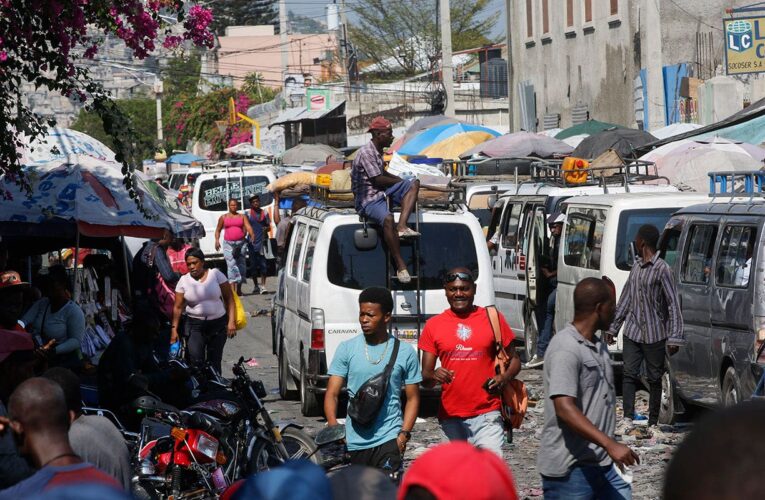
{"type": "Point", "coordinates": [372, 185]}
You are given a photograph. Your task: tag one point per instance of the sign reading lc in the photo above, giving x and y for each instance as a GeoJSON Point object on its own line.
{"type": "Point", "coordinates": [744, 45]}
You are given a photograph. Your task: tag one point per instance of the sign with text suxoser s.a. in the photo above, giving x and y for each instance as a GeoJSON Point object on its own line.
{"type": "Point", "coordinates": [744, 45]}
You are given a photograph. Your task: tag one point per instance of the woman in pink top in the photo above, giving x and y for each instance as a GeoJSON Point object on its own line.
{"type": "Point", "coordinates": [235, 225]}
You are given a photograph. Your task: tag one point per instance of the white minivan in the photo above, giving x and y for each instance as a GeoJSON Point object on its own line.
{"type": "Point", "coordinates": [596, 241]}
{"type": "Point", "coordinates": [329, 261]}
{"type": "Point", "coordinates": [212, 190]}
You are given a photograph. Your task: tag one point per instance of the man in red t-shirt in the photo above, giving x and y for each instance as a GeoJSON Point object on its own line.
{"type": "Point", "coordinates": [462, 339]}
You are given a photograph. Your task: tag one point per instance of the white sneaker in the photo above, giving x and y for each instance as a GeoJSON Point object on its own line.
{"type": "Point", "coordinates": [403, 276]}
{"type": "Point", "coordinates": [263, 291]}
{"type": "Point", "coordinates": [535, 362]}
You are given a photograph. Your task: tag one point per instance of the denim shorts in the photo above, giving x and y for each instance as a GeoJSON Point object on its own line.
{"type": "Point", "coordinates": [482, 431]}
{"type": "Point", "coordinates": [377, 210]}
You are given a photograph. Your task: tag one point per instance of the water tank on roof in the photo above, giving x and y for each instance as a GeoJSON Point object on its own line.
{"type": "Point", "coordinates": [333, 22]}
{"type": "Point", "coordinates": [494, 78]}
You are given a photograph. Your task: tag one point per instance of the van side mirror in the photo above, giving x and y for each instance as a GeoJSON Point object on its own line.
{"type": "Point", "coordinates": [365, 238]}
{"type": "Point", "coordinates": [491, 201]}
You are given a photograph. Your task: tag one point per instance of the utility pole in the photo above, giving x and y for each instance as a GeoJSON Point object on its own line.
{"type": "Point", "coordinates": [508, 42]}
{"type": "Point", "coordinates": [446, 56]}
{"type": "Point", "coordinates": [283, 39]}
{"type": "Point", "coordinates": [158, 89]}
{"type": "Point", "coordinates": [344, 49]}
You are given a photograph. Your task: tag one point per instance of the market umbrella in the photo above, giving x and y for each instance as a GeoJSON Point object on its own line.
{"type": "Point", "coordinates": [304, 154]}
{"type": "Point", "coordinates": [245, 149]}
{"type": "Point", "coordinates": [89, 194]}
{"type": "Point", "coordinates": [421, 125]}
{"type": "Point", "coordinates": [622, 140]}
{"type": "Point", "coordinates": [61, 142]}
{"type": "Point", "coordinates": [447, 141]}
{"type": "Point", "coordinates": [674, 129]}
{"type": "Point", "coordinates": [589, 127]}
{"type": "Point", "coordinates": [184, 158]}
{"type": "Point", "coordinates": [520, 144]}
{"type": "Point", "coordinates": [673, 148]}
{"type": "Point", "coordinates": [688, 169]}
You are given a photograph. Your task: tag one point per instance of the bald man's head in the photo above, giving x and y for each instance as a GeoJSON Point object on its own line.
{"type": "Point", "coordinates": [592, 296]}
{"type": "Point", "coordinates": [40, 406]}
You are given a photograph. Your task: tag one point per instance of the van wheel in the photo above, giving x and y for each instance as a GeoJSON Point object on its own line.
{"type": "Point", "coordinates": [667, 411]}
{"type": "Point", "coordinates": [730, 392]}
{"type": "Point", "coordinates": [285, 377]}
{"type": "Point", "coordinates": [309, 403]}
{"type": "Point", "coordinates": [530, 335]}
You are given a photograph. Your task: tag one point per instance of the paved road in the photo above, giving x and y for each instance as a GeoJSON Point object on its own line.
{"type": "Point", "coordinates": [255, 342]}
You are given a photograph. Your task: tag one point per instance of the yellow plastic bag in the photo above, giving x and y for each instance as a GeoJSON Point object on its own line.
{"type": "Point", "coordinates": [241, 315]}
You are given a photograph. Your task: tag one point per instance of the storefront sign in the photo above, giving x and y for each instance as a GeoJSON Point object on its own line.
{"type": "Point", "coordinates": [744, 45]}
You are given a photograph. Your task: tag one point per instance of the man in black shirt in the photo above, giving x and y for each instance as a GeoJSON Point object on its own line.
{"type": "Point", "coordinates": [550, 272]}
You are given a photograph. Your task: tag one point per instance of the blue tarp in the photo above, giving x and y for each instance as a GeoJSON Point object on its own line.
{"type": "Point", "coordinates": [184, 158]}
{"type": "Point", "coordinates": [673, 76]}
{"type": "Point", "coordinates": [752, 131]}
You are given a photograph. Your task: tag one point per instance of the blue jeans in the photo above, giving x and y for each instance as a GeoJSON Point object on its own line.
{"type": "Point", "coordinates": [586, 483]}
{"type": "Point", "coordinates": [547, 327]}
{"type": "Point", "coordinates": [483, 431]}
{"type": "Point", "coordinates": [377, 210]}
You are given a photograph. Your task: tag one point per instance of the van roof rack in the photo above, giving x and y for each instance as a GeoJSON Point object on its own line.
{"type": "Point", "coordinates": [452, 197]}
{"type": "Point", "coordinates": [617, 174]}
{"type": "Point", "coordinates": [733, 184]}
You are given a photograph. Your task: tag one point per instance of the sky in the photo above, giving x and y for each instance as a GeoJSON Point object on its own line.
{"type": "Point", "coordinates": [316, 9]}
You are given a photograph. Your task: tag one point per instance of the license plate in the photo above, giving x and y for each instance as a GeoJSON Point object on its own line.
{"type": "Point", "coordinates": [408, 335]}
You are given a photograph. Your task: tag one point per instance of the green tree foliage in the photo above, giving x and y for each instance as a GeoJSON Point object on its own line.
{"type": "Point", "coordinates": [180, 77]}
{"type": "Point", "coordinates": [303, 24]}
{"type": "Point", "coordinates": [402, 35]}
{"type": "Point", "coordinates": [143, 119]}
{"type": "Point", "coordinates": [195, 118]}
{"type": "Point", "coordinates": [243, 13]}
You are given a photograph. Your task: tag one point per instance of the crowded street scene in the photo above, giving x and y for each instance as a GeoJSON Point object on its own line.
{"type": "Point", "coordinates": [382, 249]}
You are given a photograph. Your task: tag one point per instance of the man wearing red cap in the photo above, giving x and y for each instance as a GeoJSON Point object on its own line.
{"type": "Point", "coordinates": [458, 470]}
{"type": "Point", "coordinates": [372, 185]}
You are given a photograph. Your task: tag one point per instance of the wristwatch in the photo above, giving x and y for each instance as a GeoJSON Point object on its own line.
{"type": "Point", "coordinates": [407, 434]}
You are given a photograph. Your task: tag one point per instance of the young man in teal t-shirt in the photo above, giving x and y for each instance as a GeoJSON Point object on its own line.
{"type": "Point", "coordinates": [382, 443]}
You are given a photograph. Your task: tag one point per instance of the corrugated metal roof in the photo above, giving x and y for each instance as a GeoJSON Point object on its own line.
{"type": "Point", "coordinates": [301, 113]}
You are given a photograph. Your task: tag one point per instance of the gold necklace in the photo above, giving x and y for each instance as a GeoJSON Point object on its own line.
{"type": "Point", "coordinates": [366, 353]}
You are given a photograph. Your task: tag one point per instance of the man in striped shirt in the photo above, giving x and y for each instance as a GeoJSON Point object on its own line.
{"type": "Point", "coordinates": [653, 323]}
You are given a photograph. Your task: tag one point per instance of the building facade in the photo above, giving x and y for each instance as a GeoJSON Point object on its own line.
{"type": "Point", "coordinates": [635, 63]}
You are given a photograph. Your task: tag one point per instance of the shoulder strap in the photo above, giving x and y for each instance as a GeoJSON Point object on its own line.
{"type": "Point", "coordinates": [493, 316]}
{"type": "Point", "coordinates": [392, 360]}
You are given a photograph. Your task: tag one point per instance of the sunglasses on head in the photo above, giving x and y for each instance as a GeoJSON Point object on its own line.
{"type": "Point", "coordinates": [458, 276]}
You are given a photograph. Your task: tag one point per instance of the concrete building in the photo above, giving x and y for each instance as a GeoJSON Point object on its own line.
{"type": "Point", "coordinates": [631, 62]}
{"type": "Point", "coordinates": [248, 49]}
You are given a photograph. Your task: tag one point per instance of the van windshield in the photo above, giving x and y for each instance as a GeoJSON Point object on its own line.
{"type": "Point", "coordinates": [214, 194]}
{"type": "Point", "coordinates": [629, 223]}
{"type": "Point", "coordinates": [443, 246]}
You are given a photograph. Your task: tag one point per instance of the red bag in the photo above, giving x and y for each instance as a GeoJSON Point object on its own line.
{"type": "Point", "coordinates": [515, 398]}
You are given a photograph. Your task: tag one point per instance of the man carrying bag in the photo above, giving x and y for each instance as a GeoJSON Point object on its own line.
{"type": "Point", "coordinates": [375, 366]}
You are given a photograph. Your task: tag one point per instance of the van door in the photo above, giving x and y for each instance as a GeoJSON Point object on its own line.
{"type": "Point", "coordinates": [691, 364]}
{"type": "Point", "coordinates": [581, 246]}
{"type": "Point", "coordinates": [293, 317]}
{"type": "Point", "coordinates": [732, 325]}
{"type": "Point", "coordinates": [510, 280]}
{"type": "Point", "coordinates": [304, 288]}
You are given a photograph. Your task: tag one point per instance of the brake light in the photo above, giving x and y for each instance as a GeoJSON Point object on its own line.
{"type": "Point", "coordinates": [317, 328]}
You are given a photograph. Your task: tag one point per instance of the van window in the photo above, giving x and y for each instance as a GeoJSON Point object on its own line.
{"type": "Point", "coordinates": [176, 181]}
{"type": "Point", "coordinates": [670, 241]}
{"type": "Point", "coordinates": [629, 223]}
{"type": "Point", "coordinates": [584, 238]}
{"type": "Point", "coordinates": [478, 206]}
{"type": "Point", "coordinates": [299, 236]}
{"type": "Point", "coordinates": [734, 259]}
{"type": "Point", "coordinates": [525, 227]}
{"type": "Point", "coordinates": [510, 225]}
{"type": "Point", "coordinates": [442, 246]}
{"type": "Point", "coordinates": [214, 193]}
{"type": "Point", "coordinates": [308, 261]}
{"type": "Point", "coordinates": [496, 214]}
{"type": "Point", "coordinates": [698, 256]}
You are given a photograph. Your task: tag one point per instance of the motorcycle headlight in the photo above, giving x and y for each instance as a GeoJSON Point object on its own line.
{"type": "Point", "coordinates": [207, 446]}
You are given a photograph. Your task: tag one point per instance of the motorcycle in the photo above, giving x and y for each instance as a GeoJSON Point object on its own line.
{"type": "Point", "coordinates": [238, 426]}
